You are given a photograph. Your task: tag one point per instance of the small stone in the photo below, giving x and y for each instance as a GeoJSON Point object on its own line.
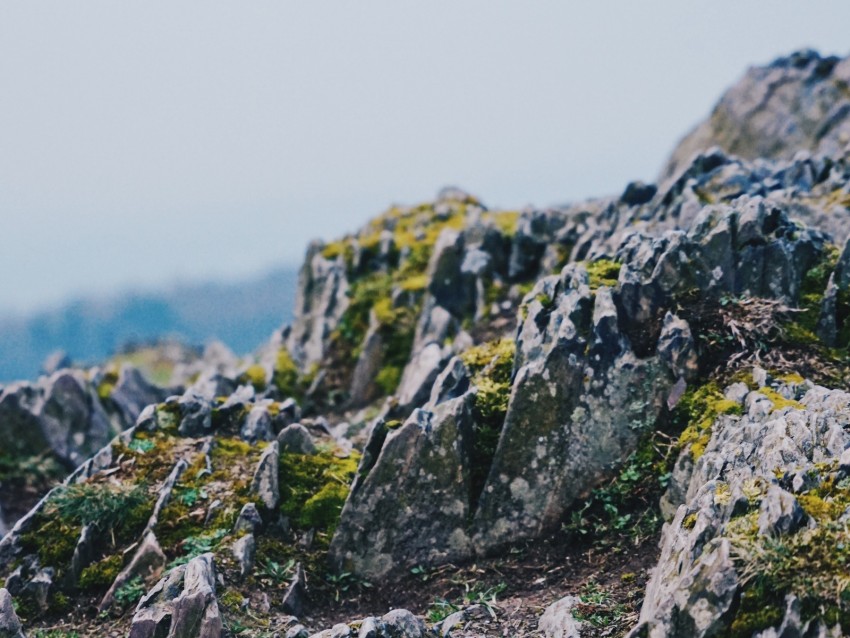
{"type": "Point", "coordinates": [296, 439]}
{"type": "Point", "coordinates": [249, 520]}
{"type": "Point", "coordinates": [10, 625]}
{"type": "Point", "coordinates": [558, 622]}
{"type": "Point", "coordinates": [257, 426]}
{"type": "Point", "coordinates": [244, 550]}
{"type": "Point", "coordinates": [265, 482]}
{"type": "Point", "coordinates": [402, 624]}
{"type": "Point", "coordinates": [780, 512]}
{"type": "Point", "coordinates": [296, 594]}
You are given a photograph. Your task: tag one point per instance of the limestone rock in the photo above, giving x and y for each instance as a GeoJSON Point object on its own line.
{"type": "Point", "coordinates": [558, 622]}
{"type": "Point", "coordinates": [265, 482]}
{"type": "Point", "coordinates": [10, 626]}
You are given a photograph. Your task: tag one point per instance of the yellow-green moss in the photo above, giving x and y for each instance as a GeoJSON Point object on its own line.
{"type": "Point", "coordinates": [603, 272]}
{"type": "Point", "coordinates": [101, 574]}
{"type": "Point", "coordinates": [689, 521]}
{"type": "Point", "coordinates": [107, 384]}
{"type": "Point", "coordinates": [780, 402]}
{"type": "Point", "coordinates": [256, 374]}
{"type": "Point", "coordinates": [696, 412]}
{"type": "Point", "coordinates": [506, 221]}
{"type": "Point", "coordinates": [285, 375]}
{"type": "Point", "coordinates": [414, 283]}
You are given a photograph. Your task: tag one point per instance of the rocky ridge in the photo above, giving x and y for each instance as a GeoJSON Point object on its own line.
{"type": "Point", "coordinates": [462, 383]}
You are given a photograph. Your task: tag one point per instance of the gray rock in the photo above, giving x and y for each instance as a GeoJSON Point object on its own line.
{"type": "Point", "coordinates": [296, 439]}
{"type": "Point", "coordinates": [419, 376]}
{"type": "Point", "coordinates": [39, 586]}
{"type": "Point", "coordinates": [780, 513]}
{"type": "Point", "coordinates": [638, 193]}
{"type": "Point", "coordinates": [244, 550]}
{"type": "Point", "coordinates": [446, 627]}
{"type": "Point", "coordinates": [195, 415]}
{"type": "Point", "coordinates": [558, 622]}
{"type": "Point", "coordinates": [249, 520]}
{"type": "Point", "coordinates": [400, 623]}
{"type": "Point", "coordinates": [288, 413]}
{"type": "Point", "coordinates": [297, 631]}
{"type": "Point", "coordinates": [181, 605]}
{"type": "Point", "coordinates": [337, 631]}
{"type": "Point", "coordinates": [257, 426]}
{"type": "Point", "coordinates": [296, 594]}
{"type": "Point", "coordinates": [363, 388]}
{"type": "Point", "coordinates": [132, 393]}
{"type": "Point", "coordinates": [677, 349]}
{"type": "Point", "coordinates": [425, 461]}
{"type": "Point", "coordinates": [371, 628]}
{"type": "Point", "coordinates": [147, 563]}
{"type": "Point", "coordinates": [265, 482]}
{"type": "Point", "coordinates": [10, 626]}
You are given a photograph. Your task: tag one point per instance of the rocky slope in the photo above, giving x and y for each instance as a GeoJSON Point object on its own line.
{"type": "Point", "coordinates": [479, 415]}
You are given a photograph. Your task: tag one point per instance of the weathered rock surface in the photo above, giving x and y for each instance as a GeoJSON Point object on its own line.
{"type": "Point", "coordinates": [10, 625]}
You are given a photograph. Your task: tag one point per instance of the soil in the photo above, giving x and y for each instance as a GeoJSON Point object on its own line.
{"type": "Point", "coordinates": [612, 579]}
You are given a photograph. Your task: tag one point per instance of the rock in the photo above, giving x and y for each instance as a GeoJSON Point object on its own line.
{"type": "Point", "coordinates": [445, 628]}
{"type": "Point", "coordinates": [638, 193]}
{"type": "Point", "coordinates": [257, 426]}
{"type": "Point", "coordinates": [780, 513]}
{"type": "Point", "coordinates": [363, 387]}
{"type": "Point", "coordinates": [195, 415]}
{"type": "Point", "coordinates": [39, 586]}
{"type": "Point", "coordinates": [447, 284]}
{"type": "Point", "coordinates": [558, 622]}
{"type": "Point", "coordinates": [371, 628]}
{"type": "Point", "coordinates": [288, 413]}
{"type": "Point", "coordinates": [296, 594]}
{"type": "Point", "coordinates": [677, 349]}
{"type": "Point", "coordinates": [400, 623]}
{"type": "Point", "coordinates": [298, 631]}
{"type": "Point", "coordinates": [265, 482]}
{"type": "Point", "coordinates": [147, 563]}
{"type": "Point", "coordinates": [249, 520]}
{"type": "Point", "coordinates": [296, 439]}
{"type": "Point", "coordinates": [132, 393]}
{"type": "Point", "coordinates": [244, 550]}
{"type": "Point", "coordinates": [10, 626]}
{"type": "Point", "coordinates": [181, 605]}
{"type": "Point", "coordinates": [425, 460]}
{"type": "Point", "coordinates": [774, 111]}
{"type": "Point", "coordinates": [419, 376]}
{"type": "Point", "coordinates": [337, 631]}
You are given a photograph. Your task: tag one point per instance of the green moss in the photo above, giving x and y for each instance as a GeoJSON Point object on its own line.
{"type": "Point", "coordinates": [603, 272]}
{"type": "Point", "coordinates": [689, 521]}
{"type": "Point", "coordinates": [107, 384]}
{"type": "Point", "coordinates": [256, 374]}
{"type": "Point", "coordinates": [759, 609]}
{"type": "Point", "coordinates": [285, 375]}
{"type": "Point", "coordinates": [414, 283]}
{"type": "Point", "coordinates": [313, 488]}
{"type": "Point", "coordinates": [101, 574]}
{"type": "Point", "coordinates": [506, 221]}
{"type": "Point", "coordinates": [695, 414]}
{"type": "Point", "coordinates": [780, 402]}
{"type": "Point", "coordinates": [388, 379]}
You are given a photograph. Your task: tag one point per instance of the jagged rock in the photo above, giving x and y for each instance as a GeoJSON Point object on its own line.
{"type": "Point", "coordinates": [558, 622]}
{"type": "Point", "coordinates": [244, 550]}
{"type": "Point", "coordinates": [363, 387]}
{"type": "Point", "coordinates": [319, 304]}
{"type": "Point", "coordinates": [84, 551]}
{"type": "Point", "coordinates": [38, 587]}
{"type": "Point", "coordinates": [195, 415]}
{"type": "Point", "coordinates": [638, 193]}
{"type": "Point", "coordinates": [288, 413]}
{"type": "Point", "coordinates": [147, 563]}
{"type": "Point", "coordinates": [567, 350]}
{"type": "Point", "coordinates": [780, 513]}
{"type": "Point", "coordinates": [249, 520]}
{"type": "Point", "coordinates": [257, 426]}
{"type": "Point", "coordinates": [694, 587]}
{"type": "Point", "coordinates": [296, 439]}
{"type": "Point", "coordinates": [400, 623]}
{"type": "Point", "coordinates": [181, 605]}
{"type": "Point", "coordinates": [10, 626]}
{"type": "Point", "coordinates": [298, 631]}
{"type": "Point", "coordinates": [425, 462]}
{"type": "Point", "coordinates": [677, 349]}
{"type": "Point", "coordinates": [447, 283]}
{"type": "Point", "coordinates": [795, 103]}
{"type": "Point", "coordinates": [419, 376]}
{"type": "Point", "coordinates": [265, 482]}
{"type": "Point", "coordinates": [296, 594]}
{"type": "Point", "coordinates": [132, 393]}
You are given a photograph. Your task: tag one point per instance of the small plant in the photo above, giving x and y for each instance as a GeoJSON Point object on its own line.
{"type": "Point", "coordinates": [598, 608]}
{"type": "Point", "coordinates": [55, 633]}
{"type": "Point", "coordinates": [201, 544]}
{"type": "Point", "coordinates": [142, 446]}
{"type": "Point", "coordinates": [344, 582]}
{"type": "Point", "coordinates": [131, 592]}
{"type": "Point", "coordinates": [101, 505]}
{"type": "Point", "coordinates": [277, 572]}
{"type": "Point", "coordinates": [421, 572]}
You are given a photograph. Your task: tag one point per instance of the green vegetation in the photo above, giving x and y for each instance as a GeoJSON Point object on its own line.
{"type": "Point", "coordinates": [491, 367]}
{"type": "Point", "coordinates": [199, 544]}
{"type": "Point", "coordinates": [474, 594]}
{"type": "Point", "coordinates": [285, 375]}
{"type": "Point", "coordinates": [626, 508]}
{"type": "Point", "coordinates": [603, 272]}
{"type": "Point", "coordinates": [314, 488]}
{"type": "Point", "coordinates": [131, 592]}
{"type": "Point", "coordinates": [102, 573]}
{"type": "Point", "coordinates": [598, 608]}
{"type": "Point", "coordinates": [696, 412]}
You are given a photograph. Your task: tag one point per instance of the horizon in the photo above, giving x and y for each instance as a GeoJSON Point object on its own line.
{"type": "Point", "coordinates": [216, 155]}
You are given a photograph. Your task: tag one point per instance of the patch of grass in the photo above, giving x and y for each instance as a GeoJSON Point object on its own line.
{"type": "Point", "coordinates": [131, 592]}
{"type": "Point", "coordinates": [598, 608]}
{"type": "Point", "coordinates": [603, 272]}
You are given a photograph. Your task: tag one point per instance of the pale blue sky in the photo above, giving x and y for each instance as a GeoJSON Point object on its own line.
{"type": "Point", "coordinates": [144, 142]}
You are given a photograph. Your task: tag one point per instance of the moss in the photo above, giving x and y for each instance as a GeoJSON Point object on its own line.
{"type": "Point", "coordinates": [107, 384]}
{"type": "Point", "coordinates": [256, 374]}
{"type": "Point", "coordinates": [506, 221]}
{"type": "Point", "coordinates": [759, 609]}
{"type": "Point", "coordinates": [313, 488]}
{"type": "Point", "coordinates": [101, 574]}
{"type": "Point", "coordinates": [388, 379]}
{"type": "Point", "coordinates": [603, 272]}
{"type": "Point", "coordinates": [695, 414]}
{"type": "Point", "coordinates": [780, 402]}
{"type": "Point", "coordinates": [52, 540]}
{"type": "Point", "coordinates": [689, 521]}
{"type": "Point", "coordinates": [285, 375]}
{"type": "Point", "coordinates": [414, 283]}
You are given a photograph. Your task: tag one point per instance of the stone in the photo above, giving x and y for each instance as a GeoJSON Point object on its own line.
{"type": "Point", "coordinates": [337, 631]}
{"type": "Point", "coordinates": [132, 393]}
{"type": "Point", "coordinates": [676, 347]}
{"type": "Point", "coordinates": [780, 513]}
{"type": "Point", "coordinates": [558, 621]}
{"type": "Point", "coordinates": [257, 426]}
{"type": "Point", "coordinates": [265, 482]}
{"type": "Point", "coordinates": [296, 439]}
{"type": "Point", "coordinates": [249, 520]}
{"type": "Point", "coordinates": [638, 193]}
{"type": "Point", "coordinates": [147, 563]}
{"type": "Point", "coordinates": [195, 415]}
{"type": "Point", "coordinates": [10, 625]}
{"type": "Point", "coordinates": [294, 599]}
{"type": "Point", "coordinates": [400, 623]}
{"type": "Point", "coordinates": [244, 550]}
{"type": "Point", "coordinates": [297, 631]}
{"type": "Point", "coordinates": [181, 605]}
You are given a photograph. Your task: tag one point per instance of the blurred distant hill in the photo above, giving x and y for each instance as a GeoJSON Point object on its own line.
{"type": "Point", "coordinates": [241, 314]}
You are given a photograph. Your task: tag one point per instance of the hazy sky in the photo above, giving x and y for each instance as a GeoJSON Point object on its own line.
{"type": "Point", "coordinates": [143, 142]}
